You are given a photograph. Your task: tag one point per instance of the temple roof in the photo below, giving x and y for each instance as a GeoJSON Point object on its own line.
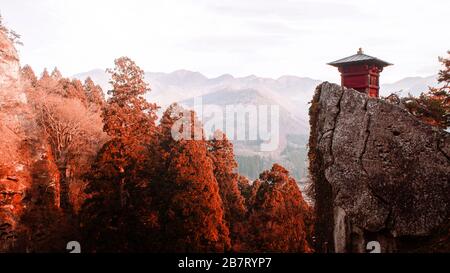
{"type": "Point", "coordinates": [359, 57]}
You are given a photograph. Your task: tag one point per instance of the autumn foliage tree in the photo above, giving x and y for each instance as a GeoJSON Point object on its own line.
{"type": "Point", "coordinates": [72, 89]}
{"type": "Point", "coordinates": [111, 215]}
{"type": "Point", "coordinates": [129, 120]}
{"type": "Point", "coordinates": [433, 107]}
{"type": "Point", "coordinates": [146, 187]}
{"type": "Point", "coordinates": [29, 76]}
{"type": "Point", "coordinates": [65, 136]}
{"type": "Point", "coordinates": [185, 191]}
{"type": "Point", "coordinates": [143, 187]}
{"type": "Point", "coordinates": [70, 127]}
{"type": "Point", "coordinates": [279, 218]}
{"type": "Point", "coordinates": [56, 74]}
{"type": "Point", "coordinates": [220, 150]}
{"type": "Point", "coordinates": [246, 189]}
{"type": "Point", "coordinates": [94, 94]}
{"type": "Point", "coordinates": [72, 133]}
{"type": "Point", "coordinates": [43, 226]}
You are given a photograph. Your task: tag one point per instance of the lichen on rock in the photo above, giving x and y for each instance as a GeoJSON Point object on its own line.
{"type": "Point", "coordinates": [379, 171]}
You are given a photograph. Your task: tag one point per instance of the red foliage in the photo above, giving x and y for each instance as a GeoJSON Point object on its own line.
{"type": "Point", "coordinates": [94, 94]}
{"type": "Point", "coordinates": [118, 177]}
{"type": "Point", "coordinates": [186, 193]}
{"type": "Point", "coordinates": [128, 118]}
{"type": "Point", "coordinates": [220, 150]}
{"type": "Point", "coordinates": [278, 214]}
{"type": "Point", "coordinates": [147, 190]}
{"type": "Point", "coordinates": [28, 75]}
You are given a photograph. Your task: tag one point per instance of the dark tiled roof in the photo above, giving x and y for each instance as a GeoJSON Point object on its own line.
{"type": "Point", "coordinates": [359, 58]}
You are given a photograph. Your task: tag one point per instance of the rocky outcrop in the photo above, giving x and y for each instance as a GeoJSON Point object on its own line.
{"type": "Point", "coordinates": [9, 61]}
{"type": "Point", "coordinates": [13, 176]}
{"type": "Point", "coordinates": [24, 164]}
{"type": "Point", "coordinates": [378, 173]}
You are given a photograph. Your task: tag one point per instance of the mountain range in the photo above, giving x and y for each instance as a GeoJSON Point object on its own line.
{"type": "Point", "coordinates": [291, 93]}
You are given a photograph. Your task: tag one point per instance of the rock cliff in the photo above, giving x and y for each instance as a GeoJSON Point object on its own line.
{"type": "Point", "coordinates": [378, 174]}
{"type": "Point", "coordinates": [25, 161]}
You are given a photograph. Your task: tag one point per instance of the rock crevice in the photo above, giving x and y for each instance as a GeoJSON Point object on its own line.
{"type": "Point", "coordinates": [377, 170]}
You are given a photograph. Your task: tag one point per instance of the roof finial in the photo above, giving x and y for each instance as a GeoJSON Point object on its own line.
{"type": "Point", "coordinates": [360, 51]}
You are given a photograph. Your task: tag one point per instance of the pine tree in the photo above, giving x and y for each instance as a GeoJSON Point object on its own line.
{"type": "Point", "coordinates": [45, 76]}
{"type": "Point", "coordinates": [46, 84]}
{"type": "Point", "coordinates": [13, 36]}
{"type": "Point", "coordinates": [129, 119]}
{"type": "Point", "coordinates": [185, 191]}
{"type": "Point", "coordinates": [444, 74]}
{"type": "Point", "coordinates": [56, 74]}
{"type": "Point", "coordinates": [220, 150]}
{"type": "Point", "coordinates": [94, 94]}
{"type": "Point", "coordinates": [119, 175]}
{"type": "Point", "coordinates": [71, 89]}
{"type": "Point", "coordinates": [103, 217]}
{"type": "Point", "coordinates": [28, 75]}
{"type": "Point", "coordinates": [245, 188]}
{"type": "Point", "coordinates": [433, 106]}
{"type": "Point", "coordinates": [278, 214]}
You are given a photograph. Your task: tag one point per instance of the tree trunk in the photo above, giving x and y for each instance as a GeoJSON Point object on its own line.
{"type": "Point", "coordinates": [64, 190]}
{"type": "Point", "coordinates": [122, 187]}
{"type": "Point", "coordinates": [122, 193]}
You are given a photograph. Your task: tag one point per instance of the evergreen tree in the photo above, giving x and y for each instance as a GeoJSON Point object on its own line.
{"type": "Point", "coordinates": [245, 188]}
{"type": "Point", "coordinates": [72, 89]}
{"type": "Point", "coordinates": [185, 191]}
{"type": "Point", "coordinates": [94, 94]}
{"type": "Point", "coordinates": [278, 214]}
{"type": "Point", "coordinates": [46, 84]}
{"type": "Point", "coordinates": [56, 74]}
{"type": "Point", "coordinates": [28, 75]}
{"type": "Point", "coordinates": [433, 107]}
{"type": "Point", "coordinates": [45, 77]}
{"type": "Point", "coordinates": [129, 120]}
{"type": "Point", "coordinates": [119, 176]}
{"type": "Point", "coordinates": [220, 150]}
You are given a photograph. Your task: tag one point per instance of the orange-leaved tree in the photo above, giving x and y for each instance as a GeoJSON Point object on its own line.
{"type": "Point", "coordinates": [279, 218]}
{"type": "Point", "coordinates": [29, 76]}
{"type": "Point", "coordinates": [220, 150]}
{"type": "Point", "coordinates": [111, 218]}
{"type": "Point", "coordinates": [185, 191]}
{"type": "Point", "coordinates": [94, 94]}
{"type": "Point", "coordinates": [72, 130]}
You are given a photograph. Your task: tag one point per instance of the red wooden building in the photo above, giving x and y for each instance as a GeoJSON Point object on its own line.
{"type": "Point", "coordinates": [361, 72]}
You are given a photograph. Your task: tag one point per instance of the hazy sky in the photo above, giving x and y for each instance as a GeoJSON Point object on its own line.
{"type": "Point", "coordinates": [241, 37]}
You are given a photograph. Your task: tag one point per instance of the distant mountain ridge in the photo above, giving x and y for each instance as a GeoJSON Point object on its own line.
{"type": "Point", "coordinates": [291, 93]}
{"type": "Point", "coordinates": [410, 85]}
{"type": "Point", "coordinates": [185, 79]}
{"type": "Point", "coordinates": [292, 86]}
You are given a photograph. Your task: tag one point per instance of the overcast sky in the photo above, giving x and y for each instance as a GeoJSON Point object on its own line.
{"type": "Point", "coordinates": [268, 38]}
